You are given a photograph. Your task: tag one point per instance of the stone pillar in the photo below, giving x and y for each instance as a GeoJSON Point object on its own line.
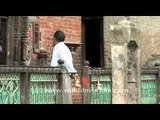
{"type": "Point", "coordinates": [119, 73]}
{"type": "Point", "coordinates": [134, 55]}
{"type": "Point", "coordinates": [119, 36]}
{"type": "Point", "coordinates": [125, 57]}
{"type": "Point", "coordinates": [134, 78]}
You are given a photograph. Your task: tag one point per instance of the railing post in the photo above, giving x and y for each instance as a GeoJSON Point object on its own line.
{"type": "Point", "coordinates": [24, 87]}
{"type": "Point", "coordinates": [64, 86]}
{"type": "Point", "coordinates": [86, 83]}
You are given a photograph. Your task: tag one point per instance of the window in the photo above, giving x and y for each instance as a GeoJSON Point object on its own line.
{"type": "Point", "coordinates": [36, 37]}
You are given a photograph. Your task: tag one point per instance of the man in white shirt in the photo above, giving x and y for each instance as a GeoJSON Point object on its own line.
{"type": "Point", "coordinates": [61, 51]}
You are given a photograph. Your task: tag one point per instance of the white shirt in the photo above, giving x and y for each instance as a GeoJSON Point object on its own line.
{"type": "Point", "coordinates": [61, 51]}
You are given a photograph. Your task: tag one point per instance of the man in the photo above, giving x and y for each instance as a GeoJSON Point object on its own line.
{"type": "Point", "coordinates": [61, 51]}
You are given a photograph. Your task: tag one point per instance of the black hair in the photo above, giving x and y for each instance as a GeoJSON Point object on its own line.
{"type": "Point", "coordinates": [59, 35]}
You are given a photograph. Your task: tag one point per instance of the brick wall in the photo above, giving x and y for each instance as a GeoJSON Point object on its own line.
{"type": "Point", "coordinates": [150, 40]}
{"type": "Point", "coordinates": [71, 25]}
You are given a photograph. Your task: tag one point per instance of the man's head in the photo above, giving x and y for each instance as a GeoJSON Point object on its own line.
{"type": "Point", "coordinates": [59, 36]}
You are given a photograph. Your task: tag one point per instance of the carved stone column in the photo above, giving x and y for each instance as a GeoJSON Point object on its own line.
{"type": "Point", "coordinates": [119, 35]}
{"type": "Point", "coordinates": [119, 73]}
{"type": "Point", "coordinates": [17, 38]}
{"type": "Point", "coordinates": [125, 52]}
{"type": "Point", "coordinates": [134, 51]}
{"type": "Point", "coordinates": [24, 39]}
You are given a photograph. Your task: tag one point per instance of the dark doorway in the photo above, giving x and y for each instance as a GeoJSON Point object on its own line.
{"type": "Point", "coordinates": [3, 39]}
{"type": "Point", "coordinates": [92, 35]}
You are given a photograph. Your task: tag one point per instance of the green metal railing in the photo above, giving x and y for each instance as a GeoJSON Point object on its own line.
{"type": "Point", "coordinates": [148, 89]}
{"type": "Point", "coordinates": [43, 88]}
{"type": "Point", "coordinates": [35, 85]}
{"type": "Point", "coordinates": [102, 96]}
{"type": "Point", "coordinates": [28, 84]}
